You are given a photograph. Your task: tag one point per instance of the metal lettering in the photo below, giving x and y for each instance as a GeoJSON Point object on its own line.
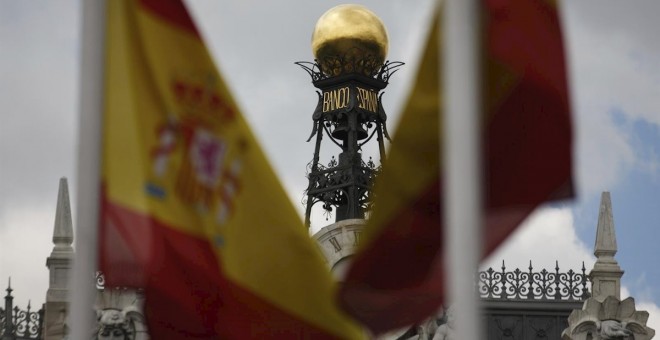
{"type": "Point", "coordinates": [336, 99]}
{"type": "Point", "coordinates": [360, 98]}
{"type": "Point", "coordinates": [326, 101]}
{"type": "Point", "coordinates": [337, 94]}
{"type": "Point", "coordinates": [368, 100]}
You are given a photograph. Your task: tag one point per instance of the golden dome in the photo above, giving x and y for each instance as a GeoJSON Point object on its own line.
{"type": "Point", "coordinates": [349, 38]}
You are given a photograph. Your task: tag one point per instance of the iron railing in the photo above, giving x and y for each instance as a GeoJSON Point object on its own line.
{"type": "Point", "coordinates": [18, 324]}
{"type": "Point", "coordinates": [533, 285]}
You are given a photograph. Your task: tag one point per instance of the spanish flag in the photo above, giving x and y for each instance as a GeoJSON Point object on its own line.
{"type": "Point", "coordinates": [191, 211]}
{"type": "Point", "coordinates": [397, 277]}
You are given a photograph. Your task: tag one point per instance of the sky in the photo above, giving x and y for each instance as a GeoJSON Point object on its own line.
{"type": "Point", "coordinates": [614, 71]}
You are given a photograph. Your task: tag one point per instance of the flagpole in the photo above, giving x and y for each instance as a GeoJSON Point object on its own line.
{"type": "Point", "coordinates": [83, 291]}
{"type": "Point", "coordinates": [462, 166]}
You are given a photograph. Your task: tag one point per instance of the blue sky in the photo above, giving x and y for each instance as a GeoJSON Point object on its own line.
{"type": "Point", "coordinates": [614, 58]}
{"type": "Point", "coordinates": [636, 209]}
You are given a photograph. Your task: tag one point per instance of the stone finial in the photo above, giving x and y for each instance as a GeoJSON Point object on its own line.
{"type": "Point", "coordinates": [604, 316]}
{"type": "Point", "coordinates": [63, 230]}
{"type": "Point", "coordinates": [605, 247]}
{"type": "Point", "coordinates": [59, 267]}
{"type": "Point", "coordinates": [606, 274]}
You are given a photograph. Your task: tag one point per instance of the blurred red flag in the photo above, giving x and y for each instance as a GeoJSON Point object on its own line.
{"type": "Point", "coordinates": [397, 278]}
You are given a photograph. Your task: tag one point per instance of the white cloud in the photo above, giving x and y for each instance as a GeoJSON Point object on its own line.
{"type": "Point", "coordinates": [548, 235]}
{"type": "Point", "coordinates": [38, 68]}
{"type": "Point", "coordinates": [642, 304]}
{"type": "Point", "coordinates": [26, 234]}
{"type": "Point", "coordinates": [654, 314]}
{"type": "Point", "coordinates": [610, 57]}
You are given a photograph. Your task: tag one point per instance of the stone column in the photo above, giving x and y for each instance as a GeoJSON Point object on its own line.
{"type": "Point", "coordinates": [606, 274]}
{"type": "Point", "coordinates": [59, 266]}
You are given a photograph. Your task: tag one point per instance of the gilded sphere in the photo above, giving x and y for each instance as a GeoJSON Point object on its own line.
{"type": "Point", "coordinates": [349, 38]}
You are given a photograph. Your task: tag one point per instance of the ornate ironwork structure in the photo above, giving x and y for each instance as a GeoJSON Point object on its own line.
{"type": "Point", "coordinates": [530, 304]}
{"type": "Point", "coordinates": [531, 285]}
{"type": "Point", "coordinates": [18, 324]}
{"type": "Point", "coordinates": [350, 112]}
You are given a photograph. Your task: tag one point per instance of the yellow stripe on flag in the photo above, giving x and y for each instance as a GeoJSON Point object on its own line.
{"type": "Point", "coordinates": [415, 149]}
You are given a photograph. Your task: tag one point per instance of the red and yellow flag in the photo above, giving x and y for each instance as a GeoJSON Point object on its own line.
{"type": "Point", "coordinates": [191, 210]}
{"type": "Point", "coordinates": [396, 278]}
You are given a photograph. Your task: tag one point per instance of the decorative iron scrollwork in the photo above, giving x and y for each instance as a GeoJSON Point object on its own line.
{"type": "Point", "coordinates": [533, 285]}
{"type": "Point", "coordinates": [27, 323]}
{"type": "Point", "coordinates": [334, 66]}
{"type": "Point", "coordinates": [328, 184]}
{"type": "Point", "coordinates": [16, 323]}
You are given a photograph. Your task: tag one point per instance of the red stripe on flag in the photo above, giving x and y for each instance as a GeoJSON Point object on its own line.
{"type": "Point", "coordinates": [529, 136]}
{"type": "Point", "coordinates": [526, 36]}
{"type": "Point", "coordinates": [173, 11]}
{"type": "Point", "coordinates": [528, 149]}
{"type": "Point", "coordinates": [187, 295]}
{"type": "Point", "coordinates": [408, 274]}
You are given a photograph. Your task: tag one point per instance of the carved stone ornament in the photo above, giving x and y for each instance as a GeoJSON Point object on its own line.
{"type": "Point", "coordinates": [608, 320]}
{"type": "Point", "coordinates": [115, 324]}
{"type": "Point", "coordinates": [446, 330]}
